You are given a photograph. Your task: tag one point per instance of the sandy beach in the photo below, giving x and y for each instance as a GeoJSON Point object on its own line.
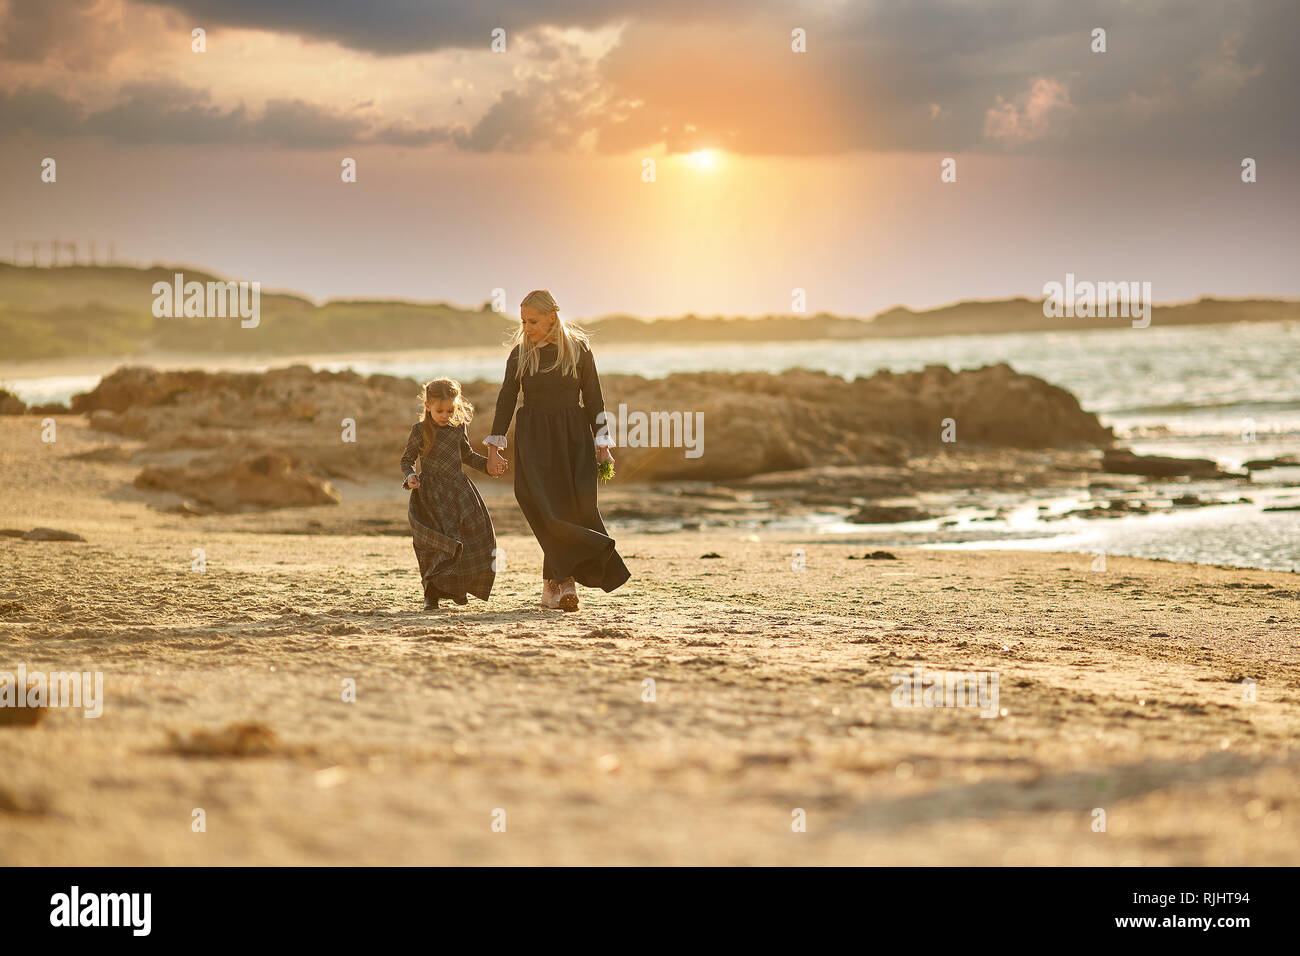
{"type": "Point", "coordinates": [1119, 690]}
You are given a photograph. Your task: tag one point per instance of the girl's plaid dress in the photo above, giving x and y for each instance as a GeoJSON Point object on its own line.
{"type": "Point", "coordinates": [450, 526]}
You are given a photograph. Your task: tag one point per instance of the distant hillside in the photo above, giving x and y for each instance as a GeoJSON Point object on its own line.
{"type": "Point", "coordinates": [963, 318]}
{"type": "Point", "coordinates": [1026, 315]}
{"type": "Point", "coordinates": [107, 311]}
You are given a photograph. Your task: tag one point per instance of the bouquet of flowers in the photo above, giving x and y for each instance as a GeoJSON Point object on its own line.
{"type": "Point", "coordinates": [605, 470]}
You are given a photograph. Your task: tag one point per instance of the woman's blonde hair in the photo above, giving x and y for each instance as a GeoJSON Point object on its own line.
{"type": "Point", "coordinates": [444, 389]}
{"type": "Point", "coordinates": [569, 339]}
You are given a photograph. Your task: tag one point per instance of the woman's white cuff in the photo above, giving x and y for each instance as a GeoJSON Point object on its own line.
{"type": "Point", "coordinates": [498, 440]}
{"type": "Point", "coordinates": [605, 441]}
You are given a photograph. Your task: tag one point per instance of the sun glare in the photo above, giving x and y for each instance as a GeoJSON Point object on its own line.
{"type": "Point", "coordinates": [702, 159]}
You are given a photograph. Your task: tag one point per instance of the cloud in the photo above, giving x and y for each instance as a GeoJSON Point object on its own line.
{"type": "Point", "coordinates": [66, 31]}
{"type": "Point", "coordinates": [301, 125]}
{"type": "Point", "coordinates": [927, 75]}
{"type": "Point", "coordinates": [404, 134]}
{"type": "Point", "coordinates": [934, 75]}
{"type": "Point", "coordinates": [392, 27]}
{"type": "Point", "coordinates": [154, 114]}
{"type": "Point", "coordinates": [1041, 113]}
{"type": "Point", "coordinates": [39, 110]}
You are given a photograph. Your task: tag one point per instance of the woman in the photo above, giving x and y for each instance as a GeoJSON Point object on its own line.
{"type": "Point", "coordinates": [560, 444]}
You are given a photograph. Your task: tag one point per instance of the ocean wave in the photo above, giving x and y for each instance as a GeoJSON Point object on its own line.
{"type": "Point", "coordinates": [1273, 405]}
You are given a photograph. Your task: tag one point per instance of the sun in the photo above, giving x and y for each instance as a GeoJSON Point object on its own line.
{"type": "Point", "coordinates": [702, 158]}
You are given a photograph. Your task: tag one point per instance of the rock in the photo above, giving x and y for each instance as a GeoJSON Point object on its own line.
{"type": "Point", "coordinates": [14, 716]}
{"type": "Point", "coordinates": [109, 453]}
{"type": "Point", "coordinates": [234, 740]}
{"type": "Point", "coordinates": [1112, 509]}
{"type": "Point", "coordinates": [1131, 507]}
{"type": "Point", "coordinates": [711, 554]}
{"type": "Point", "coordinates": [50, 534]}
{"type": "Point", "coordinates": [1261, 464]}
{"type": "Point", "coordinates": [12, 532]}
{"type": "Point", "coordinates": [11, 404]}
{"type": "Point", "coordinates": [101, 419]}
{"type": "Point", "coordinates": [1124, 462]}
{"type": "Point", "coordinates": [137, 386]}
{"type": "Point", "coordinates": [754, 423]}
{"type": "Point", "coordinates": [885, 514]}
{"type": "Point", "coordinates": [874, 556]}
{"type": "Point", "coordinates": [254, 481]}
{"type": "Point", "coordinates": [21, 717]}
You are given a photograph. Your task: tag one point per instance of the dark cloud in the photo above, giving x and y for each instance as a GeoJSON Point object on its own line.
{"type": "Point", "coordinates": [391, 27]}
{"type": "Point", "coordinates": [403, 134]}
{"type": "Point", "coordinates": [170, 114]}
{"type": "Point", "coordinates": [28, 110]}
{"type": "Point", "coordinates": [164, 113]}
{"type": "Point", "coordinates": [931, 75]}
{"type": "Point", "coordinates": [301, 125]}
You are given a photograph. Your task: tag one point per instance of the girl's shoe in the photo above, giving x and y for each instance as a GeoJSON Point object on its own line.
{"type": "Point", "coordinates": [551, 594]}
{"type": "Point", "coordinates": [568, 595]}
{"type": "Point", "coordinates": [431, 604]}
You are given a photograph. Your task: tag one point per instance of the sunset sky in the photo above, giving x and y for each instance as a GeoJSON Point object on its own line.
{"type": "Point", "coordinates": [523, 169]}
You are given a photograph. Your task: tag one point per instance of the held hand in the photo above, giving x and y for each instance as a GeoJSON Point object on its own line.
{"type": "Point", "coordinates": [603, 454]}
{"type": "Point", "coordinates": [496, 464]}
{"type": "Point", "coordinates": [413, 481]}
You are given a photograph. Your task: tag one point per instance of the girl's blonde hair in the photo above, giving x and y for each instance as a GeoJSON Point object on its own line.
{"type": "Point", "coordinates": [569, 339]}
{"type": "Point", "coordinates": [444, 389]}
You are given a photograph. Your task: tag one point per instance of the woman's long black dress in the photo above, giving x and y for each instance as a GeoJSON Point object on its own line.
{"type": "Point", "coordinates": [454, 540]}
{"type": "Point", "coordinates": [555, 468]}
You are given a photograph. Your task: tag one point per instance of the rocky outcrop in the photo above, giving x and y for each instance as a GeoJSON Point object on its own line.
{"type": "Point", "coordinates": [887, 514]}
{"type": "Point", "coordinates": [144, 387]}
{"type": "Point", "coordinates": [1263, 464]}
{"type": "Point", "coordinates": [755, 422]}
{"type": "Point", "coordinates": [51, 534]}
{"type": "Point", "coordinates": [994, 405]}
{"type": "Point", "coordinates": [11, 404]}
{"type": "Point", "coordinates": [252, 482]}
{"type": "Point", "coordinates": [701, 426]}
{"type": "Point", "coordinates": [1121, 461]}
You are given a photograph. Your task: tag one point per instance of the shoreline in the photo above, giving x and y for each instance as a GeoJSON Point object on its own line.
{"type": "Point", "coordinates": [991, 498]}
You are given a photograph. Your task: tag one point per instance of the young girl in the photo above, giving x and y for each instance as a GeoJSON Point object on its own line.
{"type": "Point", "coordinates": [452, 532]}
